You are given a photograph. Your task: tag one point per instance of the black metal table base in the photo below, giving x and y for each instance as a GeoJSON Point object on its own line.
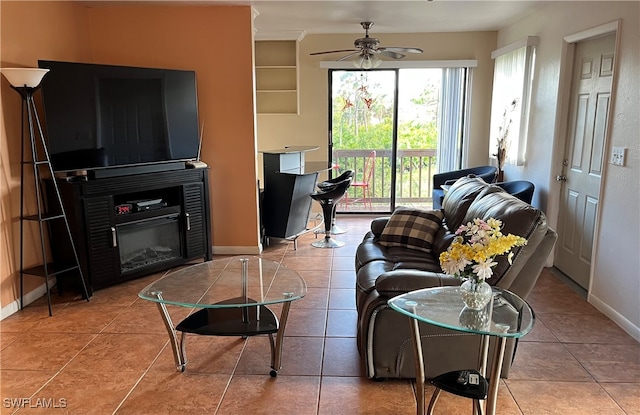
{"type": "Point", "coordinates": [249, 320]}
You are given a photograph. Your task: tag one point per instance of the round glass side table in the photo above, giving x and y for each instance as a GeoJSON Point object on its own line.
{"type": "Point", "coordinates": [506, 316]}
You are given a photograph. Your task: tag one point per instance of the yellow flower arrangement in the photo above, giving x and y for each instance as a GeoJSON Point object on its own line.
{"type": "Point", "coordinates": [472, 253]}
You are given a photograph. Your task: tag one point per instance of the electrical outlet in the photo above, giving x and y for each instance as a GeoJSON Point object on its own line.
{"type": "Point", "coordinates": [617, 156]}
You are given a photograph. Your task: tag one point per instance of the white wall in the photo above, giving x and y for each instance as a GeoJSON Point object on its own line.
{"type": "Point", "coordinates": [615, 285]}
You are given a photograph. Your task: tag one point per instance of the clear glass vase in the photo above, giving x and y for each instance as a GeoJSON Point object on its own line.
{"type": "Point", "coordinates": [474, 319]}
{"type": "Point", "coordinates": [475, 294]}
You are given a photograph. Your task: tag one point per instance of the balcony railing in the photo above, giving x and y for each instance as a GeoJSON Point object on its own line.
{"type": "Point", "coordinates": [414, 171]}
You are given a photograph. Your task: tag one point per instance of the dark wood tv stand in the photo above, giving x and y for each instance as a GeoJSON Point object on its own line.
{"type": "Point", "coordinates": [128, 226]}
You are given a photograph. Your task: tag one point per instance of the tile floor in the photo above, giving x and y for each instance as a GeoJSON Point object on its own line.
{"type": "Point", "coordinates": [111, 355]}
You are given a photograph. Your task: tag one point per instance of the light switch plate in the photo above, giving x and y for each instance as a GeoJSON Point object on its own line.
{"type": "Point", "coordinates": [617, 156]}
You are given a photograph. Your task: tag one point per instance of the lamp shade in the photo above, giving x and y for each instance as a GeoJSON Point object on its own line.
{"type": "Point", "coordinates": [24, 77]}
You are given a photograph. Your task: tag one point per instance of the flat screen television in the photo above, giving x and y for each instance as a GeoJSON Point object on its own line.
{"type": "Point", "coordinates": [107, 117]}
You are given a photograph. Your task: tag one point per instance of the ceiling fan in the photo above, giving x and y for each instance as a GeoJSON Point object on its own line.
{"type": "Point", "coordinates": [367, 50]}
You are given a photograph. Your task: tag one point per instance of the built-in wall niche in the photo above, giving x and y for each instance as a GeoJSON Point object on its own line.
{"type": "Point", "coordinates": [276, 76]}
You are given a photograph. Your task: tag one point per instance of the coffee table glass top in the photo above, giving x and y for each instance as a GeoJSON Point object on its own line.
{"type": "Point", "coordinates": [507, 315]}
{"type": "Point", "coordinates": [220, 284]}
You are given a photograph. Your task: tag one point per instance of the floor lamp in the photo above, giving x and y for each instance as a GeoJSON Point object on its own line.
{"type": "Point", "coordinates": [26, 81]}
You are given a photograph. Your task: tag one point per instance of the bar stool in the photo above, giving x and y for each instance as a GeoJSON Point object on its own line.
{"type": "Point", "coordinates": [328, 199]}
{"type": "Point", "coordinates": [348, 174]}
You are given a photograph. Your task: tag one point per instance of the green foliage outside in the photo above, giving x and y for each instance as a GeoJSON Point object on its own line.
{"type": "Point", "coordinates": [355, 126]}
{"type": "Point", "coordinates": [363, 120]}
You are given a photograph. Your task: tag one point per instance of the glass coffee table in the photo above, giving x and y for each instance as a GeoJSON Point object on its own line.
{"type": "Point", "coordinates": [232, 295]}
{"type": "Point", "coordinates": [506, 316]}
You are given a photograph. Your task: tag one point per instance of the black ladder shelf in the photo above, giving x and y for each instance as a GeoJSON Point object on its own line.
{"type": "Point", "coordinates": [40, 161]}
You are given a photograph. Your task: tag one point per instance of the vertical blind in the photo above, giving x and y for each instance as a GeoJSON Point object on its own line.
{"type": "Point", "coordinates": [451, 118]}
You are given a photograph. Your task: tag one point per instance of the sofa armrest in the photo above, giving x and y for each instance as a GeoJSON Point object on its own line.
{"type": "Point", "coordinates": [396, 282]}
{"type": "Point", "coordinates": [378, 224]}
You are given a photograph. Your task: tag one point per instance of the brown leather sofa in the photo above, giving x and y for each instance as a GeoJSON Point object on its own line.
{"type": "Point", "coordinates": [384, 339]}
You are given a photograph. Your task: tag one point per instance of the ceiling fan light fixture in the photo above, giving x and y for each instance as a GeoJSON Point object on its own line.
{"type": "Point", "coordinates": [366, 61]}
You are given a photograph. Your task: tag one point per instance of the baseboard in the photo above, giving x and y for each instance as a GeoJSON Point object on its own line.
{"type": "Point", "coordinates": [27, 299]}
{"type": "Point", "coordinates": [237, 250]}
{"type": "Point", "coordinates": [571, 283]}
{"type": "Point", "coordinates": [619, 319]}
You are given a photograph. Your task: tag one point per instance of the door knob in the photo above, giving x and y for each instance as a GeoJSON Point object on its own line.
{"type": "Point", "coordinates": [561, 178]}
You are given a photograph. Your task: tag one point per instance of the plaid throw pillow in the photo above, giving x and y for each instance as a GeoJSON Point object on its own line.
{"type": "Point", "coordinates": [411, 228]}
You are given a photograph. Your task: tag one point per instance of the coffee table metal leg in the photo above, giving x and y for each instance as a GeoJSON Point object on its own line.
{"type": "Point", "coordinates": [178, 349]}
{"type": "Point", "coordinates": [276, 353]}
{"type": "Point", "coordinates": [434, 399]}
{"type": "Point", "coordinates": [272, 345]}
{"type": "Point", "coordinates": [494, 381]}
{"type": "Point", "coordinates": [183, 352]}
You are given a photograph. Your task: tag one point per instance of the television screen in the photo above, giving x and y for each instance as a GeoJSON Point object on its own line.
{"type": "Point", "coordinates": [106, 116]}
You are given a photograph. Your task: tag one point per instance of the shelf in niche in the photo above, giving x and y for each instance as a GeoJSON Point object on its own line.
{"type": "Point", "coordinates": [276, 91]}
{"type": "Point", "coordinates": [276, 77]}
{"type": "Point", "coordinates": [276, 67]}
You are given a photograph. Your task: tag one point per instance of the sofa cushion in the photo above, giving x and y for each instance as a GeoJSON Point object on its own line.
{"type": "Point", "coordinates": [517, 217]}
{"type": "Point", "coordinates": [378, 224]}
{"type": "Point", "coordinates": [369, 251]}
{"type": "Point", "coordinates": [442, 241]}
{"type": "Point", "coordinates": [411, 228]}
{"type": "Point", "coordinates": [459, 198]}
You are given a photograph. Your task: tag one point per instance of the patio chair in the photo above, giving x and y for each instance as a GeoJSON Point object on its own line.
{"type": "Point", "coordinates": [521, 189]}
{"type": "Point", "coordinates": [363, 184]}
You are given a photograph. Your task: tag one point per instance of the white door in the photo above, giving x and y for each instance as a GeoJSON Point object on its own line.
{"type": "Point", "coordinates": [584, 156]}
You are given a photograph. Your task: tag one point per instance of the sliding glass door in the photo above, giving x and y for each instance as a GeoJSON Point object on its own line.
{"type": "Point", "coordinates": [390, 127]}
{"type": "Point", "coordinates": [362, 132]}
{"type": "Point", "coordinates": [418, 108]}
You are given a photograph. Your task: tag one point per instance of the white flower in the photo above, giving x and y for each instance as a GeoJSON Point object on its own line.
{"type": "Point", "coordinates": [483, 269]}
{"type": "Point", "coordinates": [453, 267]}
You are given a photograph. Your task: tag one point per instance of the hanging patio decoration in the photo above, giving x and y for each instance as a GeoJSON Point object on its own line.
{"type": "Point", "coordinates": [356, 103]}
{"type": "Point", "coordinates": [359, 94]}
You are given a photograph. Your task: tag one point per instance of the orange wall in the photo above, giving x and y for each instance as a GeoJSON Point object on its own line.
{"type": "Point", "coordinates": [215, 41]}
{"type": "Point", "coordinates": [28, 31]}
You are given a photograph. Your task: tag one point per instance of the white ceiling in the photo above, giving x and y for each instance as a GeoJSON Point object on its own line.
{"type": "Point", "coordinates": [289, 19]}
{"type": "Point", "coordinates": [293, 19]}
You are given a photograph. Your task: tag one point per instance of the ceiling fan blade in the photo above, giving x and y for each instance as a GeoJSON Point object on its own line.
{"type": "Point", "coordinates": [335, 51]}
{"type": "Point", "coordinates": [344, 58]}
{"type": "Point", "coordinates": [402, 50]}
{"type": "Point", "coordinates": [390, 54]}
{"type": "Point", "coordinates": [368, 47]}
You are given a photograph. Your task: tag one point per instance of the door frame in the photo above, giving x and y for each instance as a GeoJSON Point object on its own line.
{"type": "Point", "coordinates": [564, 107]}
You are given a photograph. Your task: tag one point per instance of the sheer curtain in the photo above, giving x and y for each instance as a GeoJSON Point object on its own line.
{"type": "Point", "coordinates": [451, 118]}
{"type": "Point", "coordinates": [512, 78]}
